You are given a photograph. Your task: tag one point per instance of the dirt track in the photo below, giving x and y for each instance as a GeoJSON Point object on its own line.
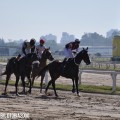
{"type": "Point", "coordinates": [67, 106]}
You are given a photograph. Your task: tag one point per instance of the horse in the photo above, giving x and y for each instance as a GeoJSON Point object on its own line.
{"type": "Point", "coordinates": [37, 66]}
{"type": "Point", "coordinates": [21, 68]}
{"type": "Point", "coordinates": [67, 68]}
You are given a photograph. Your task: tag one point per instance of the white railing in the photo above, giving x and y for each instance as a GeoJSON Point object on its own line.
{"type": "Point", "coordinates": [112, 73]}
{"type": "Point", "coordinates": [1, 70]}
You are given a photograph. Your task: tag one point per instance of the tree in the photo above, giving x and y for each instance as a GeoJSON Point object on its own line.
{"type": "Point", "coordinates": [52, 44]}
{"type": "Point", "coordinates": [93, 39]}
{"type": "Point", "coordinates": [2, 42]}
{"type": "Point", "coordinates": [111, 33]}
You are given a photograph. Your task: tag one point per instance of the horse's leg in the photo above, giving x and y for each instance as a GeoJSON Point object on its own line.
{"type": "Point", "coordinates": [42, 78]}
{"type": "Point", "coordinates": [33, 75]}
{"type": "Point", "coordinates": [49, 83]}
{"type": "Point", "coordinates": [6, 83]}
{"type": "Point", "coordinates": [30, 84]}
{"type": "Point", "coordinates": [76, 82]}
{"type": "Point", "coordinates": [73, 90]}
{"type": "Point", "coordinates": [23, 83]}
{"type": "Point", "coordinates": [16, 84]}
{"type": "Point", "coordinates": [53, 84]}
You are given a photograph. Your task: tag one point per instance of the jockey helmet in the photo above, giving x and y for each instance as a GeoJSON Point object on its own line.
{"type": "Point", "coordinates": [32, 42]}
{"type": "Point", "coordinates": [42, 41]}
{"type": "Point", "coordinates": [77, 40]}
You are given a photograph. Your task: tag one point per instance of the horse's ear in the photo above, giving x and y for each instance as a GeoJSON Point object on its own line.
{"type": "Point", "coordinates": [83, 48]}
{"type": "Point", "coordinates": [87, 49]}
{"type": "Point", "coordinates": [48, 48]}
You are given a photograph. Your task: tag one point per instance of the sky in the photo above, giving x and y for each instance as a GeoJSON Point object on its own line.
{"type": "Point", "coordinates": [26, 19]}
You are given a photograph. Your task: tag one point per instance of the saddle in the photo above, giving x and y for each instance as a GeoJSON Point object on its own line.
{"type": "Point", "coordinates": [65, 61]}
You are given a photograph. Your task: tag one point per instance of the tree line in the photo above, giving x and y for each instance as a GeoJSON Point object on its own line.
{"type": "Point", "coordinates": [88, 39]}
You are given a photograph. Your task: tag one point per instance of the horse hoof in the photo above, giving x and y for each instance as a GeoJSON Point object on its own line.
{"type": "Point", "coordinates": [78, 94]}
{"type": "Point", "coordinates": [23, 92]}
{"type": "Point", "coordinates": [46, 93]}
{"type": "Point", "coordinates": [40, 91]}
{"type": "Point", "coordinates": [73, 91]}
{"type": "Point", "coordinates": [17, 94]}
{"type": "Point", "coordinates": [29, 91]}
{"type": "Point", "coordinates": [56, 96]}
{"type": "Point", "coordinates": [4, 93]}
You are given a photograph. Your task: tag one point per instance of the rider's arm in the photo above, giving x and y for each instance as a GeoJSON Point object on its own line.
{"type": "Point", "coordinates": [77, 49]}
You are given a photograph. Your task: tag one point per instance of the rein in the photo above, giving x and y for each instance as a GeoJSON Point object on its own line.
{"type": "Point", "coordinates": [76, 63]}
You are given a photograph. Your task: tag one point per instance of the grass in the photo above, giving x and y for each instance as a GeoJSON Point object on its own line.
{"type": "Point", "coordinates": [83, 88]}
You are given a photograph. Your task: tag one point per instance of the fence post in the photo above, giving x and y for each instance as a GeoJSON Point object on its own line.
{"type": "Point", "coordinates": [1, 67]}
{"type": "Point", "coordinates": [113, 75]}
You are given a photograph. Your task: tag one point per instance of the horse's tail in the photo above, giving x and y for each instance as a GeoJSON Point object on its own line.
{"type": "Point", "coordinates": [6, 70]}
{"type": "Point", "coordinates": [43, 70]}
{"type": "Point", "coordinates": [4, 73]}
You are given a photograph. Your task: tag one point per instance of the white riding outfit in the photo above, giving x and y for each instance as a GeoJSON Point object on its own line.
{"type": "Point", "coordinates": [40, 49]}
{"type": "Point", "coordinates": [70, 47]}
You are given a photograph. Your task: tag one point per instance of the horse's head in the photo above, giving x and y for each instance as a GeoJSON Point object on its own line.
{"type": "Point", "coordinates": [83, 55]}
{"type": "Point", "coordinates": [47, 54]}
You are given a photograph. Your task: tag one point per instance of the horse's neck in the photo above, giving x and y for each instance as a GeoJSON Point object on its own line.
{"type": "Point", "coordinates": [78, 59]}
{"type": "Point", "coordinates": [43, 61]}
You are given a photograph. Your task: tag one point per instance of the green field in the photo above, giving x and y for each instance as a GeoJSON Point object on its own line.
{"type": "Point", "coordinates": [83, 88]}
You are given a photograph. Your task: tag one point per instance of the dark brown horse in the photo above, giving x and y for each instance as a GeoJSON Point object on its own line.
{"type": "Point", "coordinates": [68, 69]}
{"type": "Point", "coordinates": [21, 68]}
{"type": "Point", "coordinates": [39, 66]}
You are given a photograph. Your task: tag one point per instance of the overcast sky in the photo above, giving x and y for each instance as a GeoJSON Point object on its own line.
{"type": "Point", "coordinates": [26, 19]}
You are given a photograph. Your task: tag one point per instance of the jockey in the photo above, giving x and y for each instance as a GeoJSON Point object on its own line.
{"type": "Point", "coordinates": [71, 48]}
{"type": "Point", "coordinates": [28, 47]}
{"type": "Point", "coordinates": [40, 48]}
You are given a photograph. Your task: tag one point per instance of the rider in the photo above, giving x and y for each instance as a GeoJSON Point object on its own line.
{"type": "Point", "coordinates": [28, 47]}
{"type": "Point", "coordinates": [71, 47]}
{"type": "Point", "coordinates": [40, 48]}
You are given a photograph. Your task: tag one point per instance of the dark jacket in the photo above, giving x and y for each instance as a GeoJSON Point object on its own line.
{"type": "Point", "coordinates": [26, 45]}
{"type": "Point", "coordinates": [72, 45]}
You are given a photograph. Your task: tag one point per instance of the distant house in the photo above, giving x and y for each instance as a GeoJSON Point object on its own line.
{"type": "Point", "coordinates": [4, 51]}
{"type": "Point", "coordinates": [8, 50]}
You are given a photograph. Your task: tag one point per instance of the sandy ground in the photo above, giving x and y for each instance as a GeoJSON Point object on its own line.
{"type": "Point", "coordinates": [67, 106]}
